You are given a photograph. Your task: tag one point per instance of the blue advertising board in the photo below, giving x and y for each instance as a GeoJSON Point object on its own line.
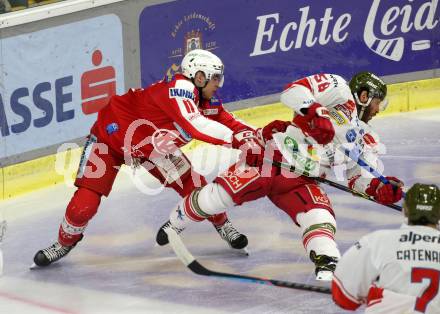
{"type": "Point", "coordinates": [54, 81]}
{"type": "Point", "coordinates": [267, 44]}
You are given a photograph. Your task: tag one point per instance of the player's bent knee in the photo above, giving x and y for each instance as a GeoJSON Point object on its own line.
{"type": "Point", "coordinates": [214, 199]}
{"type": "Point", "coordinates": [83, 206]}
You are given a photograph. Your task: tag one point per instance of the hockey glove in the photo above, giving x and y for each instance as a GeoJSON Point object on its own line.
{"type": "Point", "coordinates": [385, 193]}
{"type": "Point", "coordinates": [319, 125]}
{"type": "Point", "coordinates": [273, 127]}
{"type": "Point", "coordinates": [251, 150]}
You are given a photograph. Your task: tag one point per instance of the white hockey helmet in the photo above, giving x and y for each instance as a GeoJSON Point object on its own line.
{"type": "Point", "coordinates": [202, 60]}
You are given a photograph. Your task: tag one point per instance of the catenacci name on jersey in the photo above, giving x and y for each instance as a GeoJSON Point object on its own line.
{"type": "Point", "coordinates": [181, 93]}
{"type": "Point", "coordinates": [419, 255]}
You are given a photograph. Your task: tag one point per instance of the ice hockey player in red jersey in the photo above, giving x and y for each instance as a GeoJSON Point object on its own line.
{"type": "Point", "coordinates": [325, 107]}
{"type": "Point", "coordinates": [397, 270]}
{"type": "Point", "coordinates": [147, 127]}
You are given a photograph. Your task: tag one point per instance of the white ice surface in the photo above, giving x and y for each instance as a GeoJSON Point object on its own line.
{"type": "Point", "coordinates": [117, 269]}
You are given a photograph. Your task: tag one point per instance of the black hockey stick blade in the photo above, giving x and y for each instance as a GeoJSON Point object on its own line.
{"type": "Point", "coordinates": [186, 257]}
{"type": "Point", "coordinates": [199, 269]}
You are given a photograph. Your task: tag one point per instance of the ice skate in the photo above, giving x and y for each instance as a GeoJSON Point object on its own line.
{"type": "Point", "coordinates": [235, 239]}
{"type": "Point", "coordinates": [325, 266]}
{"type": "Point", "coordinates": [162, 237]}
{"type": "Point", "coordinates": [52, 254]}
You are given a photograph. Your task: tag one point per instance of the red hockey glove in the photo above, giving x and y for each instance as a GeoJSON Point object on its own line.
{"type": "Point", "coordinates": [320, 126]}
{"type": "Point", "coordinates": [385, 193]}
{"type": "Point", "coordinates": [274, 127]}
{"type": "Point", "coordinates": [251, 151]}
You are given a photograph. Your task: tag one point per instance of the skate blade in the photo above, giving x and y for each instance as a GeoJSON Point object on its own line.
{"type": "Point", "coordinates": [33, 266]}
{"type": "Point", "coordinates": [243, 251]}
{"type": "Point", "coordinates": [324, 275]}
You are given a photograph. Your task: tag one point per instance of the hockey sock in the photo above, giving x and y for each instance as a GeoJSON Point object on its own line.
{"type": "Point", "coordinates": [319, 228]}
{"type": "Point", "coordinates": [218, 220]}
{"type": "Point", "coordinates": [321, 239]}
{"type": "Point", "coordinates": [82, 207]}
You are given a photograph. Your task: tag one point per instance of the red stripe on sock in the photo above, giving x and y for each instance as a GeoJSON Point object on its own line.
{"type": "Point", "coordinates": [189, 210]}
{"type": "Point", "coordinates": [317, 233]}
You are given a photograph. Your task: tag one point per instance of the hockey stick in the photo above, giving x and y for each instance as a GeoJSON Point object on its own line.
{"type": "Point", "coordinates": [353, 155]}
{"type": "Point", "coordinates": [189, 261]}
{"type": "Point", "coordinates": [336, 185]}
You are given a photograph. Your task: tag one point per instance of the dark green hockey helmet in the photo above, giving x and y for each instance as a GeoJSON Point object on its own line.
{"type": "Point", "coordinates": [422, 204]}
{"type": "Point", "coordinates": [375, 87]}
{"type": "Point", "coordinates": [370, 82]}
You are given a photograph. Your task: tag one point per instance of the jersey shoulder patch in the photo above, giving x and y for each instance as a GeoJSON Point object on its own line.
{"type": "Point", "coordinates": [182, 89]}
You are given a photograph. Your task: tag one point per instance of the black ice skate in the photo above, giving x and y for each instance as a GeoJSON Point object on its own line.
{"type": "Point", "coordinates": [235, 239]}
{"type": "Point", "coordinates": [162, 236]}
{"type": "Point", "coordinates": [52, 254]}
{"type": "Point", "coordinates": [325, 266]}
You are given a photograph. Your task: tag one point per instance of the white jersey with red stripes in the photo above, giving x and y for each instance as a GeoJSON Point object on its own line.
{"type": "Point", "coordinates": [391, 271]}
{"type": "Point", "coordinates": [333, 92]}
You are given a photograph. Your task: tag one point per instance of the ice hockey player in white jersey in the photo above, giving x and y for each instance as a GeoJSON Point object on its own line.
{"type": "Point", "coordinates": [396, 271]}
{"type": "Point", "coordinates": [326, 113]}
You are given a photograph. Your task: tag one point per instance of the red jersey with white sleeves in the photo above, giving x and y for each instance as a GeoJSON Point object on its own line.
{"type": "Point", "coordinates": [391, 271]}
{"type": "Point", "coordinates": [162, 118]}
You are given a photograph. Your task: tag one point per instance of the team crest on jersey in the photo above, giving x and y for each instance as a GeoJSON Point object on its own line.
{"type": "Point", "coordinates": [181, 93]}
